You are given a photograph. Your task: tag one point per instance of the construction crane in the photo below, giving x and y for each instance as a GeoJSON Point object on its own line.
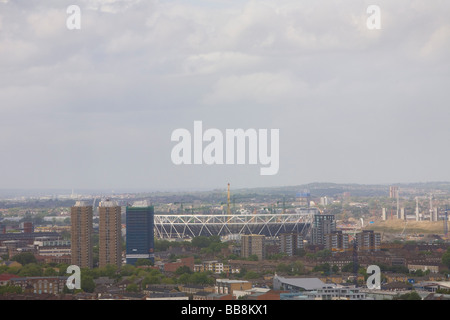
{"type": "Point", "coordinates": [446, 222]}
{"type": "Point", "coordinates": [404, 228]}
{"type": "Point", "coordinates": [228, 204]}
{"type": "Point", "coordinates": [228, 200]}
{"type": "Point", "coordinates": [284, 208]}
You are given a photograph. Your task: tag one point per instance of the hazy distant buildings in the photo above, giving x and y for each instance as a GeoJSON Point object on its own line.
{"type": "Point", "coordinates": [402, 214]}
{"type": "Point", "coordinates": [140, 234]}
{"type": "Point", "coordinates": [383, 214]}
{"type": "Point", "coordinates": [323, 224]}
{"type": "Point", "coordinates": [252, 244]}
{"type": "Point", "coordinates": [290, 243]}
{"type": "Point", "coordinates": [303, 198]}
{"type": "Point", "coordinates": [434, 214]}
{"type": "Point", "coordinates": [324, 201]}
{"type": "Point", "coordinates": [27, 227]}
{"type": "Point", "coordinates": [81, 235]}
{"type": "Point", "coordinates": [110, 251]}
{"type": "Point", "coordinates": [393, 192]}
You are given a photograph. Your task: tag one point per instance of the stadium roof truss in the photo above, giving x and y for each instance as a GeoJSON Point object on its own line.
{"type": "Point", "coordinates": [182, 226]}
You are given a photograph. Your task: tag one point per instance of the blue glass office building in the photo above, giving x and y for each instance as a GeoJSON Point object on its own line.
{"type": "Point", "coordinates": [139, 233]}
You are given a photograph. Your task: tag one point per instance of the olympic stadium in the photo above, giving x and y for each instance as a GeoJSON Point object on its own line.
{"type": "Point", "coordinates": [185, 226]}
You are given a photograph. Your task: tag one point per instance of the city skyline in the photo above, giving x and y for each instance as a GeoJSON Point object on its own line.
{"type": "Point", "coordinates": [96, 107]}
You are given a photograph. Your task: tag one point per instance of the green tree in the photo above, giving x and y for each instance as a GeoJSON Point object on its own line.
{"type": "Point", "coordinates": [151, 280]}
{"type": "Point", "coordinates": [282, 268]}
{"type": "Point", "coordinates": [253, 257]}
{"type": "Point", "coordinates": [127, 270]}
{"type": "Point", "coordinates": [87, 283]}
{"type": "Point", "coordinates": [201, 242]}
{"type": "Point", "coordinates": [31, 270]}
{"type": "Point", "coordinates": [183, 269]}
{"type": "Point", "coordinates": [325, 268]}
{"type": "Point", "coordinates": [132, 287]}
{"type": "Point", "coordinates": [252, 275]}
{"type": "Point", "coordinates": [294, 268]}
{"type": "Point", "coordinates": [241, 273]}
{"type": "Point", "coordinates": [24, 258]}
{"type": "Point", "coordinates": [348, 268]}
{"type": "Point", "coordinates": [143, 262]}
{"type": "Point", "coordinates": [62, 267]}
{"type": "Point", "coordinates": [109, 271]}
{"type": "Point", "coordinates": [166, 280]}
{"type": "Point", "coordinates": [418, 273]}
{"type": "Point", "coordinates": [201, 278]}
{"type": "Point", "coordinates": [184, 278]}
{"type": "Point", "coordinates": [408, 296]}
{"type": "Point", "coordinates": [323, 253]}
{"type": "Point", "coordinates": [10, 289]}
{"type": "Point", "coordinates": [50, 272]}
{"type": "Point", "coordinates": [446, 258]}
{"type": "Point", "coordinates": [297, 268]}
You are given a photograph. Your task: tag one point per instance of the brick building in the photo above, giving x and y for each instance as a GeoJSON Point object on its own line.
{"type": "Point", "coordinates": [183, 262]}
{"type": "Point", "coordinates": [40, 285]}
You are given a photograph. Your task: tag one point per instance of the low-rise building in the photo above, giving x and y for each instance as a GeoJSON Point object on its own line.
{"type": "Point", "coordinates": [335, 292]}
{"type": "Point", "coordinates": [168, 296]}
{"type": "Point", "coordinates": [39, 285]}
{"type": "Point", "coordinates": [215, 267]}
{"type": "Point", "coordinates": [433, 286]}
{"type": "Point", "coordinates": [431, 268]}
{"type": "Point", "coordinates": [183, 262]}
{"type": "Point", "coordinates": [50, 247]}
{"type": "Point", "coordinates": [296, 284]}
{"type": "Point", "coordinates": [193, 289]}
{"type": "Point", "coordinates": [227, 286]}
{"type": "Point", "coordinates": [6, 277]}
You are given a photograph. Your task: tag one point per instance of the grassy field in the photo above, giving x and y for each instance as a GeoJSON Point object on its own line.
{"type": "Point", "coordinates": [397, 226]}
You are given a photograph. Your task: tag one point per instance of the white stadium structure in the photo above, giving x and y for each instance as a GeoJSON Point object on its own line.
{"type": "Point", "coordinates": [184, 226]}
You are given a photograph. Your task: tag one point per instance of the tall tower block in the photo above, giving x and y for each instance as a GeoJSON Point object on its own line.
{"type": "Point", "coordinates": [110, 235]}
{"type": "Point", "coordinates": [383, 214]}
{"type": "Point", "coordinates": [81, 234]}
{"type": "Point", "coordinates": [140, 232]}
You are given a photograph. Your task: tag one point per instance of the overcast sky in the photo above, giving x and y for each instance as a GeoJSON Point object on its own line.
{"type": "Point", "coordinates": [95, 107]}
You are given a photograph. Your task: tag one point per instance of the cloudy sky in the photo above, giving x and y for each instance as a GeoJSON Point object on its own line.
{"type": "Point", "coordinates": [95, 107]}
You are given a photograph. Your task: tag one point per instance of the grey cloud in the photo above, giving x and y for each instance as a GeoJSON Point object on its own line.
{"type": "Point", "coordinates": [95, 107]}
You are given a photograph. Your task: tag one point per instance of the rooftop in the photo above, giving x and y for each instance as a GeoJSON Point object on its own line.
{"type": "Point", "coordinates": [304, 283]}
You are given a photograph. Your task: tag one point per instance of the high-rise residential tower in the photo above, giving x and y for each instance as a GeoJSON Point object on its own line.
{"type": "Point", "coordinates": [368, 240]}
{"type": "Point", "coordinates": [337, 241]}
{"type": "Point", "coordinates": [140, 234]}
{"type": "Point", "coordinates": [290, 243]}
{"type": "Point", "coordinates": [110, 236]}
{"type": "Point", "coordinates": [252, 244]}
{"type": "Point", "coordinates": [323, 224]}
{"type": "Point", "coordinates": [81, 233]}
